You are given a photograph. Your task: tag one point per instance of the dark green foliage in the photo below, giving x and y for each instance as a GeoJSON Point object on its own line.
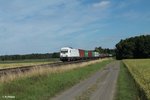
{"type": "Point", "coordinates": [134, 47]}
{"type": "Point", "coordinates": [30, 56]}
{"type": "Point", "coordinates": [105, 50]}
{"type": "Point", "coordinates": [55, 55]}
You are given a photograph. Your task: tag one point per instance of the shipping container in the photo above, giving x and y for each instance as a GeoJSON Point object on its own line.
{"type": "Point", "coordinates": [89, 53]}
{"type": "Point", "coordinates": [96, 54]}
{"type": "Point", "coordinates": [93, 54]}
{"type": "Point", "coordinates": [86, 53]}
{"type": "Point", "coordinates": [81, 52]}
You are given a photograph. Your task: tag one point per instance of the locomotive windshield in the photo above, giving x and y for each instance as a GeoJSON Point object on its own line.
{"type": "Point", "coordinates": [64, 51]}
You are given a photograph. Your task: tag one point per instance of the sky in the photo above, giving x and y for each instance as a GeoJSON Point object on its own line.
{"type": "Point", "coordinates": [43, 26]}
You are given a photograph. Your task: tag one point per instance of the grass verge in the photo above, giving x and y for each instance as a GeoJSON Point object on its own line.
{"type": "Point", "coordinates": [43, 87]}
{"type": "Point", "coordinates": [126, 88]}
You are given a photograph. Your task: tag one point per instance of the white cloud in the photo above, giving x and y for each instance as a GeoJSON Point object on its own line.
{"type": "Point", "coordinates": [102, 4]}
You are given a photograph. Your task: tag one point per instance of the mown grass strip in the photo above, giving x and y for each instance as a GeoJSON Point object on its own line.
{"type": "Point", "coordinates": [43, 87]}
{"type": "Point", "coordinates": [126, 88]}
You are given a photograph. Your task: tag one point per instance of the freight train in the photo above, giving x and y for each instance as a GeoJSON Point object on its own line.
{"type": "Point", "coordinates": [70, 54]}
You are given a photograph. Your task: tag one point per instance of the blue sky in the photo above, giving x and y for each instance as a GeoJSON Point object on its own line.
{"type": "Point", "coordinates": [41, 26]}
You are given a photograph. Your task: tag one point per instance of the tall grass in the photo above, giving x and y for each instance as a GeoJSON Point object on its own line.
{"type": "Point", "coordinates": [140, 70]}
{"type": "Point", "coordinates": [41, 70]}
{"type": "Point", "coordinates": [44, 85]}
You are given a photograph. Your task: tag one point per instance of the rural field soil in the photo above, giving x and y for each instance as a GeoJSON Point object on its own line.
{"type": "Point", "coordinates": [99, 86]}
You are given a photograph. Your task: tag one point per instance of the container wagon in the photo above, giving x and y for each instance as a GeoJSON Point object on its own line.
{"type": "Point", "coordinates": [70, 54]}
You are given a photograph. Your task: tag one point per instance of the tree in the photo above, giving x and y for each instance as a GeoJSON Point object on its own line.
{"type": "Point", "coordinates": [134, 47]}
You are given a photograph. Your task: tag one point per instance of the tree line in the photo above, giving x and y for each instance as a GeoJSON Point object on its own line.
{"type": "Point", "coordinates": [105, 50]}
{"type": "Point", "coordinates": [134, 47]}
{"type": "Point", "coordinates": [30, 56]}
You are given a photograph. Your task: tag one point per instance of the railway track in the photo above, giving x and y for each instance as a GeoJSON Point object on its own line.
{"type": "Point", "coordinates": [28, 68]}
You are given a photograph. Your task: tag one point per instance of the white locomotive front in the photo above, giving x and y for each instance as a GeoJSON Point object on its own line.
{"type": "Point", "coordinates": [68, 53]}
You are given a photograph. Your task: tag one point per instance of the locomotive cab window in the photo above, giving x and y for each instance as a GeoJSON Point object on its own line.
{"type": "Point", "coordinates": [65, 51]}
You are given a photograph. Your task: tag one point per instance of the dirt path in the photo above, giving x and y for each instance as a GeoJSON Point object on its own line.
{"type": "Point", "coordinates": [100, 86]}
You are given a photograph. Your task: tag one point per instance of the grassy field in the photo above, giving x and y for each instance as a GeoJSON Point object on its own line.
{"type": "Point", "coordinates": [45, 86]}
{"type": "Point", "coordinates": [140, 70]}
{"type": "Point", "coordinates": [19, 63]}
{"type": "Point", "coordinates": [126, 89]}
